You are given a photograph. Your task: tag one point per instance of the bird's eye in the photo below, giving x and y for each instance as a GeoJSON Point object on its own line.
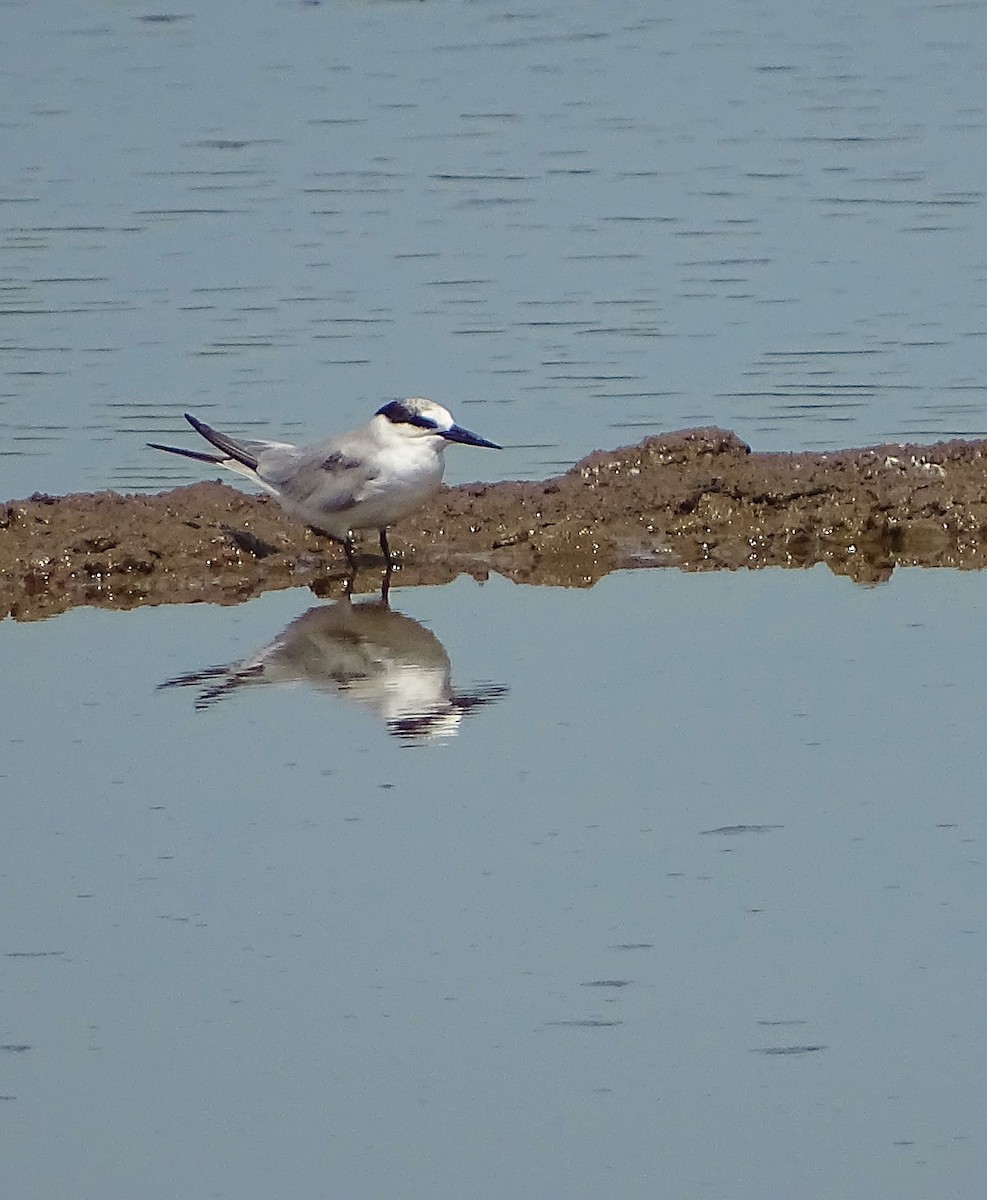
{"type": "Point", "coordinates": [398, 414]}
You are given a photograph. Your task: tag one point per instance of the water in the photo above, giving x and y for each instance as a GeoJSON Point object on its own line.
{"type": "Point", "coordinates": [688, 907]}
{"type": "Point", "coordinates": [578, 222]}
{"type": "Point", "coordinates": [671, 886]}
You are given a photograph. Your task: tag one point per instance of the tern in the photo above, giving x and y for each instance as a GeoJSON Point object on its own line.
{"type": "Point", "coordinates": [366, 479]}
{"type": "Point", "coordinates": [383, 661]}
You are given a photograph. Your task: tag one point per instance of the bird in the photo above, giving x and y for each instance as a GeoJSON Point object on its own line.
{"type": "Point", "coordinates": [385, 662]}
{"type": "Point", "coordinates": [368, 478]}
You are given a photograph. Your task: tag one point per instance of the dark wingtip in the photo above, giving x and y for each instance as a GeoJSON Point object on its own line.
{"type": "Point", "coordinates": [198, 455]}
{"type": "Point", "coordinates": [230, 447]}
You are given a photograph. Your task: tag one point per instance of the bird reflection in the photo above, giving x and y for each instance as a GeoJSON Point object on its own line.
{"type": "Point", "coordinates": [380, 659]}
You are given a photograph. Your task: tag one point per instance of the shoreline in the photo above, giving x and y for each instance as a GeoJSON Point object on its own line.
{"type": "Point", "coordinates": [697, 499]}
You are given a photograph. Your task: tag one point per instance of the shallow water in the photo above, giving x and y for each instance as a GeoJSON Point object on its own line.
{"type": "Point", "coordinates": [694, 903]}
{"type": "Point", "coordinates": [573, 223]}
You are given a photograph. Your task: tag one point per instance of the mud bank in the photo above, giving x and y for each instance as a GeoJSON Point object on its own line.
{"type": "Point", "coordinates": [696, 500]}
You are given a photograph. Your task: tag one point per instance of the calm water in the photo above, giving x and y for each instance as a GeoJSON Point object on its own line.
{"type": "Point", "coordinates": [685, 910]}
{"type": "Point", "coordinates": [584, 221]}
{"type": "Point", "coordinates": [669, 887]}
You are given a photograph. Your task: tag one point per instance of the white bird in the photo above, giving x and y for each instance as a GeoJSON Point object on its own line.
{"type": "Point", "coordinates": [366, 479]}
{"type": "Point", "coordinates": [367, 653]}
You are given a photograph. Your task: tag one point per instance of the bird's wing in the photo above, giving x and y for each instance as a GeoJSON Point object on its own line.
{"type": "Point", "coordinates": [240, 455]}
{"type": "Point", "coordinates": [244, 451]}
{"type": "Point", "coordinates": [324, 474]}
{"type": "Point", "coordinates": [259, 446]}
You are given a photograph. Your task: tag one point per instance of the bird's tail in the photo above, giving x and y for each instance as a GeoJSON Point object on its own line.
{"type": "Point", "coordinates": [234, 456]}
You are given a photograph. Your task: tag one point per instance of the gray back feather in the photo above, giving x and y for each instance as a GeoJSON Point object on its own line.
{"type": "Point", "coordinates": [323, 469]}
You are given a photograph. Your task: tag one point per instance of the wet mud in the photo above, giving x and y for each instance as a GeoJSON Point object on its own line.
{"type": "Point", "coordinates": [698, 500]}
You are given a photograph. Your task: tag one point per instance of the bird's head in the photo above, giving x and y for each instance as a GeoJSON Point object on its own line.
{"type": "Point", "coordinates": [420, 418]}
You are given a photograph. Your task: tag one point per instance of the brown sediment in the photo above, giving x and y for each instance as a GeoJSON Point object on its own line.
{"type": "Point", "coordinates": [697, 500]}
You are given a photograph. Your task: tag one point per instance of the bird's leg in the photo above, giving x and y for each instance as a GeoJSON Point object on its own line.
{"type": "Point", "coordinates": [345, 542]}
{"type": "Point", "coordinates": [385, 548]}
